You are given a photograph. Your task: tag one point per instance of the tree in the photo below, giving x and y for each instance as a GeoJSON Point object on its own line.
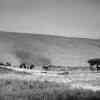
{"type": "Point", "coordinates": [94, 61]}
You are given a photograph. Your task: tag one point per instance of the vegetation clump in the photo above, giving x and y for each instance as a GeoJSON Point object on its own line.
{"type": "Point", "coordinates": [94, 62]}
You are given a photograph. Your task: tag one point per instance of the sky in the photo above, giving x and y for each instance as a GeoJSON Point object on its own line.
{"type": "Point", "coordinates": [73, 18]}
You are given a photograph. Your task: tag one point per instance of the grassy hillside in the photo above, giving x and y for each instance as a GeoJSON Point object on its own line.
{"type": "Point", "coordinates": [45, 49]}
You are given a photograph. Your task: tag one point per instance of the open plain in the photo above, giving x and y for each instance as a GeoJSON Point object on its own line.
{"type": "Point", "coordinates": [80, 83]}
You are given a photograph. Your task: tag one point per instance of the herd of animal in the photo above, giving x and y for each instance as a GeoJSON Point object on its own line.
{"type": "Point", "coordinates": [31, 66]}
{"type": "Point", "coordinates": [92, 62]}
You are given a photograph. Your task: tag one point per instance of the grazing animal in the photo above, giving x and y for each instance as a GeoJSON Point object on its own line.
{"type": "Point", "coordinates": [32, 66]}
{"type": "Point", "coordinates": [93, 62]}
{"type": "Point", "coordinates": [23, 66]}
{"type": "Point", "coordinates": [46, 67]}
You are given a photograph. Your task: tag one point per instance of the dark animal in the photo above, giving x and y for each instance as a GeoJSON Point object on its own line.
{"type": "Point", "coordinates": [32, 66]}
{"type": "Point", "coordinates": [94, 62]}
{"type": "Point", "coordinates": [46, 67]}
{"type": "Point", "coordinates": [23, 65]}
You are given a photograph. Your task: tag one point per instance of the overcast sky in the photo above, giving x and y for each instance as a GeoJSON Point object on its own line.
{"type": "Point", "coordinates": [78, 18]}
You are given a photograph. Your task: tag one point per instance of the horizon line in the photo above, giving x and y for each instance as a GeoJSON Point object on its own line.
{"type": "Point", "coordinates": [60, 35]}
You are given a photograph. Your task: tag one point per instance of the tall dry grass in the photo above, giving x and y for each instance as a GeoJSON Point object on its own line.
{"type": "Point", "coordinates": [29, 90]}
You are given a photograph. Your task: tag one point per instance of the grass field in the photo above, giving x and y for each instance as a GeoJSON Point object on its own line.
{"type": "Point", "coordinates": [36, 90]}
{"type": "Point", "coordinates": [45, 49]}
{"type": "Point", "coordinates": [79, 84]}
{"type": "Point", "coordinates": [83, 85]}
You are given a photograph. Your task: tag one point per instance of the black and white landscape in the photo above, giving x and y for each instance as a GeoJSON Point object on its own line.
{"type": "Point", "coordinates": [49, 49]}
{"type": "Point", "coordinates": [69, 76]}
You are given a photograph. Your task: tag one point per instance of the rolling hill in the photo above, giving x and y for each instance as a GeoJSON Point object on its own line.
{"type": "Point", "coordinates": [46, 49]}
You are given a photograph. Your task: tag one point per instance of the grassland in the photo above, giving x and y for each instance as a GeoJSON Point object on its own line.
{"type": "Point", "coordinates": [45, 49]}
{"type": "Point", "coordinates": [23, 86]}
{"type": "Point", "coordinates": [79, 84]}
{"type": "Point", "coordinates": [36, 90]}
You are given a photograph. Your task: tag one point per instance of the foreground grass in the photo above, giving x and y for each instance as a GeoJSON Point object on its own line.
{"type": "Point", "coordinates": [29, 90]}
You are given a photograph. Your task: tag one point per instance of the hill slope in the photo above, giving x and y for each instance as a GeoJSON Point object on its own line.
{"type": "Point", "coordinates": [45, 49]}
